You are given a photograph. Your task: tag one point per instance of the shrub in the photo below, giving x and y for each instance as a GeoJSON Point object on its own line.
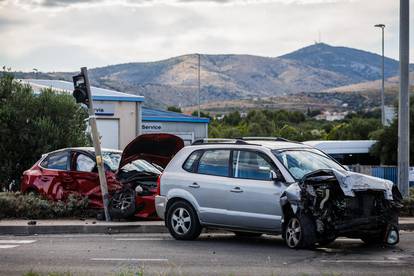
{"type": "Point", "coordinates": [408, 209]}
{"type": "Point", "coordinates": [31, 206]}
{"type": "Point", "coordinates": [32, 124]}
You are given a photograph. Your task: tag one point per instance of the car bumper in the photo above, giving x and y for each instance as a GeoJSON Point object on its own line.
{"type": "Point", "coordinates": [160, 203]}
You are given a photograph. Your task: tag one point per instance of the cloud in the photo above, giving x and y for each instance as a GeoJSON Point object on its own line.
{"type": "Point", "coordinates": [65, 34]}
{"type": "Point", "coordinates": [64, 3]}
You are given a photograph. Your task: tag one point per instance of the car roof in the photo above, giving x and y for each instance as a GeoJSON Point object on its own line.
{"type": "Point", "coordinates": [89, 149]}
{"type": "Point", "coordinates": [270, 144]}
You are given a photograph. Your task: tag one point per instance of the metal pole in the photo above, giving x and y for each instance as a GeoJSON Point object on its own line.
{"type": "Point", "coordinates": [404, 102]}
{"type": "Point", "coordinates": [383, 80]}
{"type": "Point", "coordinates": [97, 146]}
{"type": "Point", "coordinates": [382, 26]}
{"type": "Point", "coordinates": [199, 86]}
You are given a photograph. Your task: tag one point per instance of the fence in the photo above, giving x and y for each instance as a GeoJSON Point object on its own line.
{"type": "Point", "coordinates": [385, 172]}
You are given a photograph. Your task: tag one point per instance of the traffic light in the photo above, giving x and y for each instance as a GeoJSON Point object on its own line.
{"type": "Point", "coordinates": [80, 93]}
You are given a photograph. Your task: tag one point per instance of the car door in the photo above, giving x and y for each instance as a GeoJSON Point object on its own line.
{"type": "Point", "coordinates": [253, 199]}
{"type": "Point", "coordinates": [84, 173]}
{"type": "Point", "coordinates": [54, 181]}
{"type": "Point", "coordinates": [208, 182]}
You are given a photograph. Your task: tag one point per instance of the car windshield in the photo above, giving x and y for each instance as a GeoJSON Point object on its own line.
{"type": "Point", "coordinates": [302, 162]}
{"type": "Point", "coordinates": [111, 159]}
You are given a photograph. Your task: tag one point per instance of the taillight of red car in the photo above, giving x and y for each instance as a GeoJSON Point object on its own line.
{"type": "Point", "coordinates": [159, 185]}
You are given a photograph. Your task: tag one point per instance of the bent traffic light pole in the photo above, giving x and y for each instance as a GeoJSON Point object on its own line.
{"type": "Point", "coordinates": [83, 87]}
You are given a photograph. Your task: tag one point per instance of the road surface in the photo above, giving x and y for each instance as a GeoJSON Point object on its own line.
{"type": "Point", "coordinates": [211, 254]}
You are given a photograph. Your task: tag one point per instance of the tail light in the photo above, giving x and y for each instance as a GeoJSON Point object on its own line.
{"type": "Point", "coordinates": [159, 185]}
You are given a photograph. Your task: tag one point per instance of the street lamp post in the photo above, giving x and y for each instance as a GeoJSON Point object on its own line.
{"type": "Point", "coordinates": [382, 26]}
{"type": "Point", "coordinates": [404, 101]}
{"type": "Point", "coordinates": [199, 84]}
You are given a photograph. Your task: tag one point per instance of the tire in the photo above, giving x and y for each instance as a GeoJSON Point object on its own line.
{"type": "Point", "coordinates": [122, 204]}
{"type": "Point", "coordinates": [182, 221]}
{"type": "Point", "coordinates": [300, 232]}
{"type": "Point", "coordinates": [247, 234]}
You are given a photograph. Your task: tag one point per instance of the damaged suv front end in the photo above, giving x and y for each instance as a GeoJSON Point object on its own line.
{"type": "Point", "coordinates": [334, 202]}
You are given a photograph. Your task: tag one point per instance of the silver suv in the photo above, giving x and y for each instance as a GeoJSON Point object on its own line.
{"type": "Point", "coordinates": [253, 186]}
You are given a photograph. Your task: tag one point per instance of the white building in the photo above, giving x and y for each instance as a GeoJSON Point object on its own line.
{"type": "Point", "coordinates": [121, 116]}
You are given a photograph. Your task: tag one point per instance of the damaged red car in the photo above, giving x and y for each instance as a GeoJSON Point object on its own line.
{"type": "Point", "coordinates": [131, 174]}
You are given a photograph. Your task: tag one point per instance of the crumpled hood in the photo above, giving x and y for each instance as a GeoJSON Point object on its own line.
{"type": "Point", "coordinates": [158, 148]}
{"type": "Point", "coordinates": [351, 181]}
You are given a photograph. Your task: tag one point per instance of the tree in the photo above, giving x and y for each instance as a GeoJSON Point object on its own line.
{"type": "Point", "coordinates": [386, 149]}
{"type": "Point", "coordinates": [33, 124]}
{"type": "Point", "coordinates": [356, 129]}
{"type": "Point", "coordinates": [174, 109]}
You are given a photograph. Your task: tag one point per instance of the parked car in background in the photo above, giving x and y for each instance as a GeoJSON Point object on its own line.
{"type": "Point", "coordinates": [253, 186]}
{"type": "Point", "coordinates": [131, 174]}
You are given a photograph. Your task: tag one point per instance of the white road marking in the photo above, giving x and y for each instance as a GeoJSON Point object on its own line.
{"type": "Point", "coordinates": [129, 259]}
{"type": "Point", "coordinates": [142, 239]}
{"type": "Point", "coordinates": [363, 261]}
{"type": "Point", "coordinates": [17, 241]}
{"type": "Point", "coordinates": [7, 246]}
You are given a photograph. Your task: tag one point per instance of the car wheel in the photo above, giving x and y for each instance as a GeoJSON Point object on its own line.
{"type": "Point", "coordinates": [300, 232]}
{"type": "Point", "coordinates": [122, 204]}
{"type": "Point", "coordinates": [182, 221]}
{"type": "Point", "coordinates": [247, 234]}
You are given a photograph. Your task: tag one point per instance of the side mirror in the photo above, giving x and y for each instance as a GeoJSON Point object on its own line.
{"type": "Point", "coordinates": [273, 175]}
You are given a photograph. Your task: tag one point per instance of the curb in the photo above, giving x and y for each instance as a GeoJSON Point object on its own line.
{"type": "Point", "coordinates": [24, 230]}
{"type": "Point", "coordinates": [81, 229]}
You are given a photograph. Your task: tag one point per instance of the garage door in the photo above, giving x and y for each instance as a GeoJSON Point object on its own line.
{"type": "Point", "coordinates": [109, 132]}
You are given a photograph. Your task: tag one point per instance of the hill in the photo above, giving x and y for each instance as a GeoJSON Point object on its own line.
{"type": "Point", "coordinates": [173, 81]}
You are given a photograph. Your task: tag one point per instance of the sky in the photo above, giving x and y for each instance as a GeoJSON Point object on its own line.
{"type": "Point", "coordinates": [64, 35]}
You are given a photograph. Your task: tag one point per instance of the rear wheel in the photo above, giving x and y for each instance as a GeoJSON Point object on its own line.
{"type": "Point", "coordinates": [182, 221]}
{"type": "Point", "coordinates": [247, 234]}
{"type": "Point", "coordinates": [300, 232]}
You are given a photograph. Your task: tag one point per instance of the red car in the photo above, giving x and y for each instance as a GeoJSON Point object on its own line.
{"type": "Point", "coordinates": [131, 175]}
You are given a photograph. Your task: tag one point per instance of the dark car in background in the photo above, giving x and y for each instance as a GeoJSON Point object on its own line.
{"type": "Point", "coordinates": [131, 174]}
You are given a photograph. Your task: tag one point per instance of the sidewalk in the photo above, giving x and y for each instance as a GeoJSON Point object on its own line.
{"type": "Point", "coordinates": [91, 226]}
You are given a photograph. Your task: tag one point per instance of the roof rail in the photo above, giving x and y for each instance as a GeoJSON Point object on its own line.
{"type": "Point", "coordinates": [279, 139]}
{"type": "Point", "coordinates": [218, 141]}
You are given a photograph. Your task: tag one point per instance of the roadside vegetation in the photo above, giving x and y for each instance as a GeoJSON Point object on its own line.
{"type": "Point", "coordinates": [299, 126]}
{"type": "Point", "coordinates": [32, 206]}
{"type": "Point", "coordinates": [32, 124]}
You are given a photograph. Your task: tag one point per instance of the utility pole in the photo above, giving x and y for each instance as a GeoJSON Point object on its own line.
{"type": "Point", "coordinates": [382, 26]}
{"type": "Point", "coordinates": [199, 86]}
{"type": "Point", "coordinates": [82, 94]}
{"type": "Point", "coordinates": [404, 102]}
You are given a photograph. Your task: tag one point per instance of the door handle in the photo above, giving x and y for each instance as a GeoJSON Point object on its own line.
{"type": "Point", "coordinates": [194, 185]}
{"type": "Point", "coordinates": [236, 190]}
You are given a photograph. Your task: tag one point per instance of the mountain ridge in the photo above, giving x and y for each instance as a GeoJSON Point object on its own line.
{"type": "Point", "coordinates": [173, 81]}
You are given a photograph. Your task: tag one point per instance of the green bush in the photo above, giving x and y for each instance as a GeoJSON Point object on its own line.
{"type": "Point", "coordinates": [31, 206]}
{"type": "Point", "coordinates": [32, 124]}
{"type": "Point", "coordinates": [408, 209]}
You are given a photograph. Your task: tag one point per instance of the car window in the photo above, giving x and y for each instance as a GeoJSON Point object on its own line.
{"type": "Point", "coordinates": [301, 162]}
{"type": "Point", "coordinates": [251, 165]}
{"type": "Point", "coordinates": [84, 163]}
{"type": "Point", "coordinates": [56, 161]}
{"type": "Point", "coordinates": [191, 160]}
{"type": "Point", "coordinates": [214, 162]}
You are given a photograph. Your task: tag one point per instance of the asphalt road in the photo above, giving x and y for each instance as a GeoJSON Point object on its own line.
{"type": "Point", "coordinates": [211, 254]}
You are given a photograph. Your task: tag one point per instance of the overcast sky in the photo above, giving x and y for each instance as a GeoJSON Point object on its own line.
{"type": "Point", "coordinates": [62, 35]}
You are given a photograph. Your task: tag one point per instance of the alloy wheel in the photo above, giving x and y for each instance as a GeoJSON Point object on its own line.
{"type": "Point", "coordinates": [181, 221]}
{"type": "Point", "coordinates": [293, 233]}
